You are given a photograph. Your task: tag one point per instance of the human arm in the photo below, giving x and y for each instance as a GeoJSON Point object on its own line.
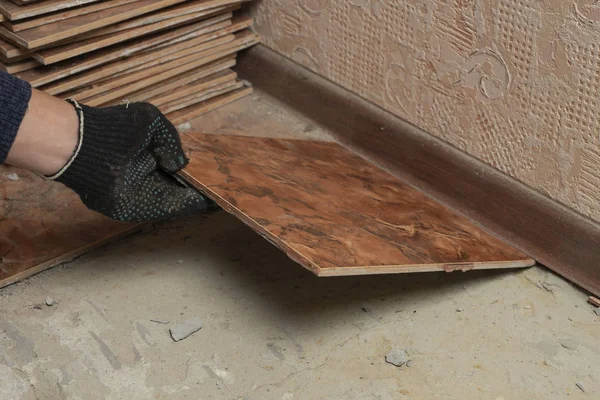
{"type": "Point", "coordinates": [120, 160]}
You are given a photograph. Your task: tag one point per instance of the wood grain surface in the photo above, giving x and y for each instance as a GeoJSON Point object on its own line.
{"type": "Point", "coordinates": [17, 26]}
{"type": "Point", "coordinates": [10, 53]}
{"type": "Point", "coordinates": [144, 61]}
{"type": "Point", "coordinates": [147, 73]}
{"type": "Point", "coordinates": [60, 53]}
{"type": "Point", "coordinates": [160, 89]}
{"type": "Point", "coordinates": [197, 56]}
{"type": "Point", "coordinates": [200, 96]}
{"type": "Point", "coordinates": [16, 12]}
{"type": "Point", "coordinates": [18, 66]}
{"type": "Point", "coordinates": [191, 84]}
{"type": "Point", "coordinates": [335, 213]}
{"type": "Point", "coordinates": [128, 30]}
{"type": "Point", "coordinates": [43, 224]}
{"type": "Point", "coordinates": [48, 34]}
{"type": "Point", "coordinates": [197, 110]}
{"type": "Point", "coordinates": [48, 74]}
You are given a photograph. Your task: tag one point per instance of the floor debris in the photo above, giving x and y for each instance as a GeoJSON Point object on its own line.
{"type": "Point", "coordinates": [50, 301]}
{"type": "Point", "coordinates": [397, 357]}
{"type": "Point", "coordinates": [185, 329]}
{"type": "Point", "coordinates": [179, 261]}
{"type": "Point", "coordinates": [544, 285]}
{"type": "Point", "coordinates": [594, 300]}
{"type": "Point", "coordinates": [597, 311]}
{"type": "Point", "coordinates": [580, 386]}
{"type": "Point", "coordinates": [12, 177]}
{"type": "Point", "coordinates": [160, 321]}
{"type": "Point", "coordinates": [185, 127]}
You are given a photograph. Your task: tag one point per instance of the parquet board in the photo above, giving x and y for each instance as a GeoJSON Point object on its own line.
{"type": "Point", "coordinates": [147, 74]}
{"type": "Point", "coordinates": [163, 88]}
{"type": "Point", "coordinates": [70, 50]}
{"type": "Point", "coordinates": [18, 66]}
{"type": "Point", "coordinates": [336, 214]}
{"type": "Point", "coordinates": [200, 96]}
{"type": "Point", "coordinates": [167, 66]}
{"type": "Point", "coordinates": [18, 26]}
{"type": "Point", "coordinates": [43, 224]}
{"type": "Point", "coordinates": [10, 53]}
{"type": "Point", "coordinates": [45, 75]}
{"type": "Point", "coordinates": [188, 85]}
{"type": "Point", "coordinates": [188, 113]}
{"type": "Point", "coordinates": [15, 12]}
{"type": "Point", "coordinates": [52, 33]}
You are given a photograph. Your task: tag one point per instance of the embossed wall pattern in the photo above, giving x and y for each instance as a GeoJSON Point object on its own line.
{"type": "Point", "coordinates": [515, 83]}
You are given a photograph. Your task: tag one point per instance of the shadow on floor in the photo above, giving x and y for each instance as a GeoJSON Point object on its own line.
{"type": "Point", "coordinates": [245, 266]}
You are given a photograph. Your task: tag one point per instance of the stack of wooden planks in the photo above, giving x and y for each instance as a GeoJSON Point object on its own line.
{"type": "Point", "coordinates": [175, 54]}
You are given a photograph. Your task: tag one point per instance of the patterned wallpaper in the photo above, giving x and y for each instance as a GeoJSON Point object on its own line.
{"type": "Point", "coordinates": [515, 83]}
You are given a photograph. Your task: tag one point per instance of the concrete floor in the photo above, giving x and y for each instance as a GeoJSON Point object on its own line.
{"type": "Point", "coordinates": [274, 331]}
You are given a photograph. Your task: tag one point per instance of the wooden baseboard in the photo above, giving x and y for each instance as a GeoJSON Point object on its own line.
{"type": "Point", "coordinates": [553, 234]}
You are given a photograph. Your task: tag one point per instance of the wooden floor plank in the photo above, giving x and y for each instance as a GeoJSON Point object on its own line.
{"type": "Point", "coordinates": [48, 74]}
{"type": "Point", "coordinates": [147, 73]}
{"type": "Point", "coordinates": [188, 113]}
{"type": "Point", "coordinates": [188, 85]}
{"type": "Point", "coordinates": [200, 96]}
{"type": "Point", "coordinates": [43, 224]}
{"type": "Point", "coordinates": [52, 33]}
{"type": "Point", "coordinates": [153, 69]}
{"type": "Point", "coordinates": [18, 26]}
{"type": "Point", "coordinates": [18, 66]}
{"type": "Point", "coordinates": [10, 53]}
{"type": "Point", "coordinates": [164, 88]}
{"type": "Point", "coordinates": [129, 30]}
{"type": "Point", "coordinates": [16, 12]}
{"type": "Point", "coordinates": [335, 213]}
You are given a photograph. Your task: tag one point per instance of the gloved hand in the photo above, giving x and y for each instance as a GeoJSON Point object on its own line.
{"type": "Point", "coordinates": [123, 163]}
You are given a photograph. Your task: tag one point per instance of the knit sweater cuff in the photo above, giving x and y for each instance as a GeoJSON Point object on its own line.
{"type": "Point", "coordinates": [14, 99]}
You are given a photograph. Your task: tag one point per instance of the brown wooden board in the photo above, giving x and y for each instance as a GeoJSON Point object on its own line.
{"type": "Point", "coordinates": [178, 11]}
{"type": "Point", "coordinates": [25, 2]}
{"type": "Point", "coordinates": [167, 66]}
{"type": "Point", "coordinates": [336, 214]}
{"type": "Point", "coordinates": [52, 33]}
{"type": "Point", "coordinates": [186, 85]}
{"type": "Point", "coordinates": [18, 26]}
{"type": "Point", "coordinates": [200, 96]}
{"type": "Point", "coordinates": [188, 113]}
{"type": "Point", "coordinates": [9, 52]}
{"type": "Point", "coordinates": [202, 85]}
{"type": "Point", "coordinates": [180, 81]}
{"type": "Point", "coordinates": [45, 75]}
{"type": "Point", "coordinates": [70, 50]}
{"type": "Point", "coordinates": [15, 12]}
{"type": "Point", "coordinates": [43, 224]}
{"type": "Point", "coordinates": [147, 74]}
{"type": "Point", "coordinates": [18, 66]}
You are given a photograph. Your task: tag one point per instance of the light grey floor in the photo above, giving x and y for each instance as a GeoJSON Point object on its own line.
{"type": "Point", "coordinates": [274, 331]}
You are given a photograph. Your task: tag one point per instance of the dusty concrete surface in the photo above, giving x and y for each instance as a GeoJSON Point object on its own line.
{"type": "Point", "coordinates": [274, 331]}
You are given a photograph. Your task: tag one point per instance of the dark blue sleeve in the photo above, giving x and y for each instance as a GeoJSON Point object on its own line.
{"type": "Point", "coordinates": [14, 99]}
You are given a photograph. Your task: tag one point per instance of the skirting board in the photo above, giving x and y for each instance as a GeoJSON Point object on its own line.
{"type": "Point", "coordinates": [549, 232]}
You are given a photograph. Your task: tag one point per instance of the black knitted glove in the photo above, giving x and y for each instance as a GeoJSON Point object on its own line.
{"type": "Point", "coordinates": [123, 163]}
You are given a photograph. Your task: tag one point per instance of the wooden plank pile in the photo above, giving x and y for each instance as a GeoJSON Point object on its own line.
{"type": "Point", "coordinates": [176, 54]}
